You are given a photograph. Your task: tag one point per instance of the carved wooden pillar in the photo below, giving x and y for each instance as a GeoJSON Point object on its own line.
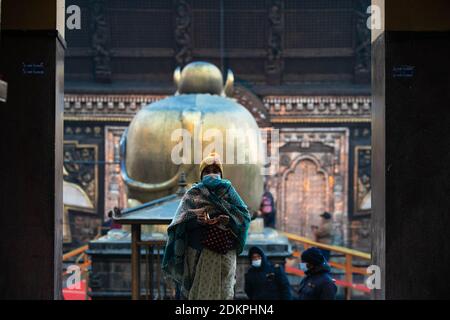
{"type": "Point", "coordinates": [32, 62]}
{"type": "Point", "coordinates": [100, 41]}
{"type": "Point", "coordinates": [274, 62]}
{"type": "Point", "coordinates": [410, 139]}
{"type": "Point", "coordinates": [183, 37]}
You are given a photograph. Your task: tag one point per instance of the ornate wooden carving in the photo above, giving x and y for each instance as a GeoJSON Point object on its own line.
{"type": "Point", "coordinates": [306, 194]}
{"type": "Point", "coordinates": [362, 180]}
{"type": "Point", "coordinates": [253, 104]}
{"type": "Point", "coordinates": [115, 107]}
{"type": "Point", "coordinates": [183, 39]}
{"type": "Point", "coordinates": [80, 163]}
{"type": "Point", "coordinates": [274, 62]}
{"type": "Point", "coordinates": [312, 177]}
{"type": "Point", "coordinates": [84, 228]}
{"type": "Point", "coordinates": [306, 109]}
{"type": "Point", "coordinates": [272, 109]}
{"type": "Point", "coordinates": [360, 234]}
{"type": "Point", "coordinates": [115, 189]}
{"type": "Point", "coordinates": [100, 41]}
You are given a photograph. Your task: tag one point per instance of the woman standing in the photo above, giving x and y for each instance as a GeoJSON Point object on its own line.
{"type": "Point", "coordinates": [206, 235]}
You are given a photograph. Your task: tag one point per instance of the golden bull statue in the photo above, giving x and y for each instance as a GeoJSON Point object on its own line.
{"type": "Point", "coordinates": [172, 135]}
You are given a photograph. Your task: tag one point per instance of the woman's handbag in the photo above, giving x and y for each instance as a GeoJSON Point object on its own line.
{"type": "Point", "coordinates": [218, 238]}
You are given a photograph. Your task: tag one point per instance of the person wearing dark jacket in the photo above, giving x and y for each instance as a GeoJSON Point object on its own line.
{"type": "Point", "coordinates": [264, 281]}
{"type": "Point", "coordinates": [318, 284]}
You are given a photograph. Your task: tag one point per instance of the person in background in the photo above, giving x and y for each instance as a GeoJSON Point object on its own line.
{"type": "Point", "coordinates": [267, 209]}
{"type": "Point", "coordinates": [264, 281]}
{"type": "Point", "coordinates": [318, 284]}
{"type": "Point", "coordinates": [323, 232]}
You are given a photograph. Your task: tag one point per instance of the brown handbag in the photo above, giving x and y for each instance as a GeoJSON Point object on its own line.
{"type": "Point", "coordinates": [218, 238]}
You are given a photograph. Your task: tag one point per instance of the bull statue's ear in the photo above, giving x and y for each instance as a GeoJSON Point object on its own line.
{"type": "Point", "coordinates": [229, 84]}
{"type": "Point", "coordinates": [177, 79]}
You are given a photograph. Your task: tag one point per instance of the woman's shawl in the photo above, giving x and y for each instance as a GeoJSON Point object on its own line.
{"type": "Point", "coordinates": [217, 196]}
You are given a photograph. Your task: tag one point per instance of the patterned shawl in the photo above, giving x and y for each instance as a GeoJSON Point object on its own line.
{"type": "Point", "coordinates": [217, 196]}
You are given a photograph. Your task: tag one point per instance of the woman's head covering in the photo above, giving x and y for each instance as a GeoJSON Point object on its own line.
{"type": "Point", "coordinates": [264, 261]}
{"type": "Point", "coordinates": [313, 256]}
{"type": "Point", "coordinates": [326, 215]}
{"type": "Point", "coordinates": [212, 159]}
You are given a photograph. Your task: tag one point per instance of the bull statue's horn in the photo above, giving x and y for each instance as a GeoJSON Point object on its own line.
{"type": "Point", "coordinates": [229, 84]}
{"type": "Point", "coordinates": [177, 78]}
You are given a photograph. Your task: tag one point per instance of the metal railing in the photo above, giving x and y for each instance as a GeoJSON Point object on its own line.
{"type": "Point", "coordinates": [347, 266]}
{"type": "Point", "coordinates": [82, 259]}
{"type": "Point", "coordinates": [155, 286]}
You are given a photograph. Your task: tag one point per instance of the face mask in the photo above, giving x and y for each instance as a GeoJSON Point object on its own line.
{"type": "Point", "coordinates": [303, 266]}
{"type": "Point", "coordinates": [212, 175]}
{"type": "Point", "coordinates": [256, 263]}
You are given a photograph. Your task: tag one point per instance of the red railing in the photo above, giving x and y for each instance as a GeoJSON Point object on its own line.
{"type": "Point", "coordinates": [347, 266]}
